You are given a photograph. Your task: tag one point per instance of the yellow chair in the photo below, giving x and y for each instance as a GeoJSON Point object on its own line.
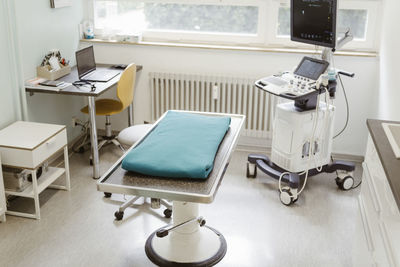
{"type": "Point", "coordinates": [108, 107]}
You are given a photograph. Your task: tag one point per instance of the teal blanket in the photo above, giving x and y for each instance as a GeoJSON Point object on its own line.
{"type": "Point", "coordinates": [182, 145]}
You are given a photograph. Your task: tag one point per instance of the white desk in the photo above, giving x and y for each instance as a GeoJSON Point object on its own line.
{"type": "Point", "coordinates": [100, 89]}
{"type": "Point", "coordinates": [28, 145]}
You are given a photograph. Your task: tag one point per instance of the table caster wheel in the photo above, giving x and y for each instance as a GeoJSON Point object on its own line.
{"type": "Point", "coordinates": [286, 197]}
{"type": "Point", "coordinates": [107, 194]}
{"type": "Point", "coordinates": [251, 170]}
{"type": "Point", "coordinates": [167, 213]}
{"type": "Point", "coordinates": [119, 215]}
{"type": "Point", "coordinates": [346, 183]}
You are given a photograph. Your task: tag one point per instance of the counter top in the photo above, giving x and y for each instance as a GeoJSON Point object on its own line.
{"type": "Point", "coordinates": [390, 164]}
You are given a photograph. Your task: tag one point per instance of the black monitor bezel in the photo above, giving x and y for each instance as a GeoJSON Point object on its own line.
{"type": "Point", "coordinates": [325, 63]}
{"type": "Point", "coordinates": [307, 41]}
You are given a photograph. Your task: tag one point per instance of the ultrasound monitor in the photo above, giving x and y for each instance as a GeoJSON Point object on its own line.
{"type": "Point", "coordinates": [311, 68]}
{"type": "Point", "coordinates": [313, 22]}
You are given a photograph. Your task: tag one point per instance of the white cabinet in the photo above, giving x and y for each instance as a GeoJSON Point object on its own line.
{"type": "Point", "coordinates": [379, 220]}
{"type": "Point", "coordinates": [28, 145]}
{"type": "Point", "coordinates": [3, 206]}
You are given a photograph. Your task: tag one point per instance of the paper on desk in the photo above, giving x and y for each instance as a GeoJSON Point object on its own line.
{"type": "Point", "coordinates": [34, 84]}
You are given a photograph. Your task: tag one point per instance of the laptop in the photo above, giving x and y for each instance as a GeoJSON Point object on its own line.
{"type": "Point", "coordinates": [86, 66]}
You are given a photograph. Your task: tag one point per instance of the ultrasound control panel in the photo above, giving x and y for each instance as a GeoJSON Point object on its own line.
{"type": "Point", "coordinates": [292, 85]}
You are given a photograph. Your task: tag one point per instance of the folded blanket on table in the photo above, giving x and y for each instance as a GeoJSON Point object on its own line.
{"type": "Point", "coordinates": [182, 145]}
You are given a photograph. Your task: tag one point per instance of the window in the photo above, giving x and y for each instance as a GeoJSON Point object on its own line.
{"type": "Point", "coordinates": [202, 18]}
{"type": "Point", "coordinates": [245, 22]}
{"type": "Point", "coordinates": [355, 19]}
{"type": "Point", "coordinates": [229, 20]}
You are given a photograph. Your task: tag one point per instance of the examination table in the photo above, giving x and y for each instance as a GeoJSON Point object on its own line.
{"type": "Point", "coordinates": [187, 241]}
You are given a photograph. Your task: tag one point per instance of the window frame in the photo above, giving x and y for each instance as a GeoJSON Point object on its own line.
{"type": "Point", "coordinates": [266, 35]}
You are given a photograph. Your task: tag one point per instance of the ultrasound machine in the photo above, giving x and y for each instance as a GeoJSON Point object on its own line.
{"type": "Point", "coordinates": [303, 127]}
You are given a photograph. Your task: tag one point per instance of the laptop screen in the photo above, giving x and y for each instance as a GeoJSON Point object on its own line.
{"type": "Point", "coordinates": [85, 61]}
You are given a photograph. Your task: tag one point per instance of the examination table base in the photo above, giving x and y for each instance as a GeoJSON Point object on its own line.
{"type": "Point", "coordinates": [187, 241]}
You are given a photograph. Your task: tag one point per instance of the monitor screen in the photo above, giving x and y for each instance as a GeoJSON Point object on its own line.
{"type": "Point", "coordinates": [314, 22]}
{"type": "Point", "coordinates": [85, 61]}
{"type": "Point", "coordinates": [311, 68]}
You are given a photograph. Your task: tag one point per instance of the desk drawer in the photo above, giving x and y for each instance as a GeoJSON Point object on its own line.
{"type": "Point", "coordinates": [373, 161]}
{"type": "Point", "coordinates": [49, 147]}
{"type": "Point", "coordinates": [30, 159]}
{"type": "Point", "coordinates": [380, 188]}
{"type": "Point", "coordinates": [372, 229]}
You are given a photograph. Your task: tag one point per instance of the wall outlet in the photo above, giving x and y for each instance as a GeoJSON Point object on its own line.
{"type": "Point", "coordinates": [215, 92]}
{"type": "Point", "coordinates": [74, 122]}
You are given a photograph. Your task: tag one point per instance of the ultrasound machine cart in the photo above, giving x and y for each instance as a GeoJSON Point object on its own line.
{"type": "Point", "coordinates": [303, 129]}
{"type": "Point", "coordinates": [294, 157]}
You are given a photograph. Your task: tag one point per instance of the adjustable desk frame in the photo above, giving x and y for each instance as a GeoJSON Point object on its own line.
{"type": "Point", "coordinates": [101, 87]}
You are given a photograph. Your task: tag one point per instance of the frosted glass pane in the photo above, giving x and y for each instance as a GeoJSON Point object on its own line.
{"type": "Point", "coordinates": [126, 15]}
{"type": "Point", "coordinates": [355, 19]}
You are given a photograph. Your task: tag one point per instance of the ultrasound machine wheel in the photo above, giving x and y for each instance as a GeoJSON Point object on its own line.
{"type": "Point", "coordinates": [251, 170]}
{"type": "Point", "coordinates": [286, 197]}
{"type": "Point", "coordinates": [346, 183]}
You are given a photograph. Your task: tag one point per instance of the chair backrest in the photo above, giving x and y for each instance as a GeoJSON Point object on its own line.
{"type": "Point", "coordinates": [126, 85]}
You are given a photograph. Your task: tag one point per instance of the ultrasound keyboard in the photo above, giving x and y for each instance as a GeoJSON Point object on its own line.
{"type": "Point", "coordinates": [288, 84]}
{"type": "Point", "coordinates": [294, 85]}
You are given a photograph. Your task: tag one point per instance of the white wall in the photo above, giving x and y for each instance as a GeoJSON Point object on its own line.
{"type": "Point", "coordinates": [389, 89]}
{"type": "Point", "coordinates": [242, 63]}
{"type": "Point", "coordinates": [40, 29]}
{"type": "Point", "coordinates": [9, 108]}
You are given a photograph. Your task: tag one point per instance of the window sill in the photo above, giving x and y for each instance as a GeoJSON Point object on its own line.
{"type": "Point", "coordinates": [235, 48]}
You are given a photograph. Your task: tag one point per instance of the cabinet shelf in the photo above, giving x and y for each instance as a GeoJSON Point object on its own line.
{"type": "Point", "coordinates": [46, 179]}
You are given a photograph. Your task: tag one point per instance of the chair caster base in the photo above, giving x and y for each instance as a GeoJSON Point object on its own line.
{"type": "Point", "coordinates": [119, 215]}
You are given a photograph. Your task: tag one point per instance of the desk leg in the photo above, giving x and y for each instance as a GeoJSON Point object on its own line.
{"type": "Point", "coordinates": [93, 138]}
{"type": "Point", "coordinates": [66, 165]}
{"type": "Point", "coordinates": [35, 194]}
{"type": "Point", "coordinates": [130, 115]}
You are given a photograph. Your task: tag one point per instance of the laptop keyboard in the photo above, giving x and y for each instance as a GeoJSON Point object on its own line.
{"type": "Point", "coordinates": [101, 75]}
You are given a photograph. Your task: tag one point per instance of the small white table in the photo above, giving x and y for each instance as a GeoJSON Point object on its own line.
{"type": "Point", "coordinates": [29, 145]}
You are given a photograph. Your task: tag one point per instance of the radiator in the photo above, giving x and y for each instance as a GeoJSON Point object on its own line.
{"type": "Point", "coordinates": [172, 91]}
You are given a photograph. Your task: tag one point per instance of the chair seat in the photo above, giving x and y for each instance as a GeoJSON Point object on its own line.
{"type": "Point", "coordinates": [131, 135]}
{"type": "Point", "coordinates": [106, 107]}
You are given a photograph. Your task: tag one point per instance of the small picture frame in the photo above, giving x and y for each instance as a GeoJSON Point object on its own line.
{"type": "Point", "coordinates": [60, 3]}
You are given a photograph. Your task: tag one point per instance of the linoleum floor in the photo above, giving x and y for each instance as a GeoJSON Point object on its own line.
{"type": "Point", "coordinates": [77, 228]}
